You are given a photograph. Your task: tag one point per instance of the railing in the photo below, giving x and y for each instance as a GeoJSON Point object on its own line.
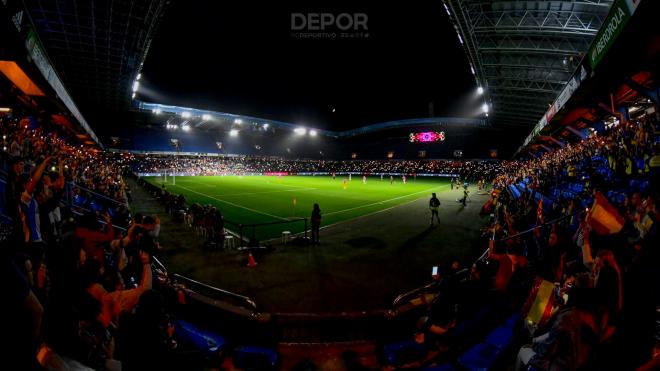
{"type": "Point", "coordinates": [89, 200]}
{"type": "Point", "coordinates": [230, 294]}
{"type": "Point", "coordinates": [399, 299]}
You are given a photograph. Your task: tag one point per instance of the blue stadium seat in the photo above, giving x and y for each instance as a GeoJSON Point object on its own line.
{"type": "Point", "coordinates": [443, 367]}
{"type": "Point", "coordinates": [514, 191]}
{"type": "Point", "coordinates": [391, 351]}
{"type": "Point", "coordinates": [479, 358]}
{"type": "Point", "coordinates": [633, 185]}
{"type": "Point", "coordinates": [205, 341]}
{"type": "Point", "coordinates": [513, 320]}
{"type": "Point", "coordinates": [500, 338]}
{"type": "Point", "coordinates": [254, 358]}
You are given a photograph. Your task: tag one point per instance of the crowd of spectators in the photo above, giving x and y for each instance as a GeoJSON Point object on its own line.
{"type": "Point", "coordinates": [82, 293]}
{"type": "Point", "coordinates": [77, 285]}
{"type": "Point", "coordinates": [242, 165]}
{"type": "Point", "coordinates": [543, 227]}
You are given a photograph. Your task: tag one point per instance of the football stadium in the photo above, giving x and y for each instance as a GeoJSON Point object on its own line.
{"type": "Point", "coordinates": [330, 185]}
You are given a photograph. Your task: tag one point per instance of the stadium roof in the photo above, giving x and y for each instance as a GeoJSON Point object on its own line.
{"type": "Point", "coordinates": [524, 52]}
{"type": "Point", "coordinates": [97, 48]}
{"type": "Point", "coordinates": [205, 119]}
{"type": "Point", "coordinates": [621, 83]}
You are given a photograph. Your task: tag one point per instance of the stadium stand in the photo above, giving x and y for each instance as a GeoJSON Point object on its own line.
{"type": "Point", "coordinates": [568, 279]}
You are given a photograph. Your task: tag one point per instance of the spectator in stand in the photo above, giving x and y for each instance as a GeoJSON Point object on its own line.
{"type": "Point", "coordinates": [91, 239]}
{"type": "Point", "coordinates": [143, 341]}
{"type": "Point", "coordinates": [28, 206]}
{"type": "Point", "coordinates": [13, 191]}
{"type": "Point", "coordinates": [571, 342]}
{"type": "Point", "coordinates": [22, 312]}
{"type": "Point", "coordinates": [504, 268]}
{"type": "Point", "coordinates": [115, 299]}
{"type": "Point", "coordinates": [218, 229]}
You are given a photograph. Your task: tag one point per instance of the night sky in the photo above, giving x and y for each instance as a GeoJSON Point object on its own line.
{"type": "Point", "coordinates": [243, 57]}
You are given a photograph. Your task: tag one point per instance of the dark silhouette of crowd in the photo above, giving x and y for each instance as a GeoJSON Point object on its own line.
{"type": "Point", "coordinates": [83, 293]}
{"type": "Point", "coordinates": [584, 219]}
{"type": "Point", "coordinates": [243, 165]}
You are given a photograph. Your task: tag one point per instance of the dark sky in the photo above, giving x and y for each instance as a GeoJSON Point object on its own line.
{"type": "Point", "coordinates": [243, 57]}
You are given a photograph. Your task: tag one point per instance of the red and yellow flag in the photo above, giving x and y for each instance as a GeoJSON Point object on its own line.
{"type": "Point", "coordinates": [538, 308]}
{"type": "Point", "coordinates": [539, 212]}
{"type": "Point", "coordinates": [603, 217]}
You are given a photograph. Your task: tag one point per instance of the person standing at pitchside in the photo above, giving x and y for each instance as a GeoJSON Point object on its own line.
{"type": "Point", "coordinates": [434, 204]}
{"type": "Point", "coordinates": [316, 223]}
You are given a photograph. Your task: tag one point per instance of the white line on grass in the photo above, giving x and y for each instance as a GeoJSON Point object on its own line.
{"type": "Point", "coordinates": [379, 202]}
{"type": "Point", "coordinates": [365, 215]}
{"type": "Point", "coordinates": [233, 204]}
{"type": "Point", "coordinates": [260, 193]}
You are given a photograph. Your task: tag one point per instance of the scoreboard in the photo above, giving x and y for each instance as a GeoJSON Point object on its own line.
{"type": "Point", "coordinates": [427, 136]}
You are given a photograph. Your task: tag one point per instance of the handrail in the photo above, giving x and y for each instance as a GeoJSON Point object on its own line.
{"type": "Point", "coordinates": [98, 194]}
{"type": "Point", "coordinates": [99, 220]}
{"type": "Point", "coordinates": [160, 265]}
{"type": "Point", "coordinates": [246, 299]}
{"type": "Point", "coordinates": [485, 254]}
{"type": "Point", "coordinates": [542, 225]}
{"type": "Point", "coordinates": [399, 298]}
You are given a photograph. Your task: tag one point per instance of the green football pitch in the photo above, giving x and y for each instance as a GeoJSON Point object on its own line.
{"type": "Point", "coordinates": [262, 199]}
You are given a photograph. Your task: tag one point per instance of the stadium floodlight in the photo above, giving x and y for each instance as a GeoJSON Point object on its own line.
{"type": "Point", "coordinates": [138, 77]}
{"type": "Point", "coordinates": [266, 126]}
{"type": "Point", "coordinates": [136, 85]}
{"type": "Point", "coordinates": [185, 115]}
{"type": "Point", "coordinates": [480, 90]}
{"type": "Point", "coordinates": [300, 131]}
{"type": "Point", "coordinates": [233, 132]}
{"type": "Point", "coordinates": [333, 110]}
{"type": "Point", "coordinates": [185, 127]}
{"type": "Point", "coordinates": [312, 133]}
{"type": "Point", "coordinates": [157, 111]}
{"type": "Point", "coordinates": [485, 108]}
{"type": "Point", "coordinates": [206, 117]}
{"type": "Point", "coordinates": [238, 121]}
{"type": "Point", "coordinates": [133, 96]}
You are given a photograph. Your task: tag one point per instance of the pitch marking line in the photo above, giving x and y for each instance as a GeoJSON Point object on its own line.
{"type": "Point", "coordinates": [233, 204]}
{"type": "Point", "coordinates": [265, 192]}
{"type": "Point", "coordinates": [365, 215]}
{"type": "Point", "coordinates": [380, 202]}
